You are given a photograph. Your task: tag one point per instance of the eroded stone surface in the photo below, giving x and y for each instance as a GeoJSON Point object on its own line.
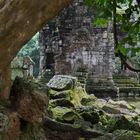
{"type": "Point", "coordinates": [9, 125]}
{"type": "Point", "coordinates": [14, 126]}
{"type": "Point", "coordinates": [73, 44]}
{"type": "Point", "coordinates": [120, 135]}
{"type": "Point", "coordinates": [4, 125]}
{"type": "Point", "coordinates": [62, 82]}
{"type": "Point", "coordinates": [31, 105]}
{"type": "Point", "coordinates": [102, 115]}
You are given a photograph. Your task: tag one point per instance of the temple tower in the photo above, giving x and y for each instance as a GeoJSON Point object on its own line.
{"type": "Point", "coordinates": [75, 44]}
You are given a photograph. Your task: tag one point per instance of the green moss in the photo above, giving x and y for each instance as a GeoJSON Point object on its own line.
{"type": "Point", "coordinates": [62, 94]}
{"type": "Point", "coordinates": [74, 95]}
{"type": "Point", "coordinates": [120, 135]}
{"type": "Point", "coordinates": [137, 85]}
{"type": "Point", "coordinates": [125, 81]}
{"type": "Point", "coordinates": [51, 91]}
{"type": "Point", "coordinates": [70, 117]}
{"type": "Point", "coordinates": [104, 119]}
{"type": "Point", "coordinates": [30, 132]}
{"type": "Point", "coordinates": [82, 139]}
{"type": "Point", "coordinates": [61, 102]}
{"type": "Point", "coordinates": [1, 137]}
{"type": "Point", "coordinates": [16, 72]}
{"type": "Point", "coordinates": [77, 94]}
{"type": "Point", "coordinates": [58, 112]}
{"type": "Point", "coordinates": [126, 135]}
{"type": "Point", "coordinates": [89, 100]}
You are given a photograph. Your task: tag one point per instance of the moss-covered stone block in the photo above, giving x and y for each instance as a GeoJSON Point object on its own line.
{"type": "Point", "coordinates": [58, 112]}
{"type": "Point", "coordinates": [120, 135]}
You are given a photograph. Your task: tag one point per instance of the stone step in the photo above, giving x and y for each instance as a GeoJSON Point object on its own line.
{"type": "Point", "coordinates": [98, 84]}
{"type": "Point", "coordinates": [81, 74]}
{"type": "Point", "coordinates": [82, 69]}
{"type": "Point", "coordinates": [81, 77]}
{"type": "Point", "coordinates": [125, 82]}
{"type": "Point", "coordinates": [82, 82]}
{"type": "Point", "coordinates": [83, 85]}
{"type": "Point", "coordinates": [129, 89]}
{"type": "Point", "coordinates": [125, 85]}
{"type": "Point", "coordinates": [120, 77]}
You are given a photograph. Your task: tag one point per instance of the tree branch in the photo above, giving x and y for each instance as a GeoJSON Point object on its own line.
{"type": "Point", "coordinates": [122, 57]}
{"type": "Point", "coordinates": [20, 20]}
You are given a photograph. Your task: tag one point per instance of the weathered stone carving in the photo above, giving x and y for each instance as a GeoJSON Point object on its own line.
{"type": "Point", "coordinates": [22, 67]}
{"type": "Point", "coordinates": [75, 44]}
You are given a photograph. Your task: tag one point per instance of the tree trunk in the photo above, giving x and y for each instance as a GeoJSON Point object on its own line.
{"type": "Point", "coordinates": [6, 82]}
{"type": "Point", "coordinates": [19, 21]}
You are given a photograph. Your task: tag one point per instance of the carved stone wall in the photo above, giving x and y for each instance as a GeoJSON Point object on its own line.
{"type": "Point", "coordinates": [77, 44]}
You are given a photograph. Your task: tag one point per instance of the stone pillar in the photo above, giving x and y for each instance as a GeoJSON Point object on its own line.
{"type": "Point", "coordinates": [111, 57]}
{"type": "Point", "coordinates": [100, 79]}
{"type": "Point", "coordinates": [42, 51]}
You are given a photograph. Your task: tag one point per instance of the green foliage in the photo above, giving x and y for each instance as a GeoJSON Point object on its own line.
{"type": "Point", "coordinates": [32, 49]}
{"type": "Point", "coordinates": [100, 21]}
{"type": "Point", "coordinates": [127, 14]}
{"type": "Point", "coordinates": [122, 49]}
{"type": "Point", "coordinates": [134, 51]}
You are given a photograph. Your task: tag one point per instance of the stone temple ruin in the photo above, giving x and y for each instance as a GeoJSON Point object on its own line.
{"type": "Point", "coordinates": [71, 45]}
{"type": "Point", "coordinates": [22, 67]}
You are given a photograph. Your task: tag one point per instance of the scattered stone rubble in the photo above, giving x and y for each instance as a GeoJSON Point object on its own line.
{"type": "Point", "coordinates": [105, 116]}
{"type": "Point", "coordinates": [69, 114]}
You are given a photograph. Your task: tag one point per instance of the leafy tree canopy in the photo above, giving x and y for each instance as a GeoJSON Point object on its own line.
{"type": "Point", "coordinates": [125, 18]}
{"type": "Point", "coordinates": [32, 49]}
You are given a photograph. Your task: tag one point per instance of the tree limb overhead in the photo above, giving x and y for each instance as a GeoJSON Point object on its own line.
{"type": "Point", "coordinates": [20, 20]}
